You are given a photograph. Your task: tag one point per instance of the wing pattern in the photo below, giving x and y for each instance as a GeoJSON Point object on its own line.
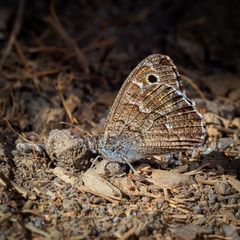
{"type": "Point", "coordinates": [151, 115]}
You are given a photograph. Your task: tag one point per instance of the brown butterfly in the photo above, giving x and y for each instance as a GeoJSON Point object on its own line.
{"type": "Point", "coordinates": [151, 115]}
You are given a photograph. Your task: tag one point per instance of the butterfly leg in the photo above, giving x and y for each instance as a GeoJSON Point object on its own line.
{"type": "Point", "coordinates": [94, 161]}
{"type": "Point", "coordinates": [130, 165]}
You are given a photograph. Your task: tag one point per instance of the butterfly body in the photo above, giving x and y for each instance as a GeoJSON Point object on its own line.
{"type": "Point", "coordinates": [117, 149]}
{"type": "Point", "coordinates": [151, 115]}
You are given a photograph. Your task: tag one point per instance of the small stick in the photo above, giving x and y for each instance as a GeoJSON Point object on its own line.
{"type": "Point", "coordinates": [10, 126]}
{"type": "Point", "coordinates": [194, 86]}
{"type": "Point", "coordinates": [15, 32]}
{"type": "Point", "coordinates": [35, 230]}
{"type": "Point", "coordinates": [20, 53]}
{"type": "Point", "coordinates": [72, 125]}
{"type": "Point", "coordinates": [8, 183]}
{"type": "Point", "coordinates": [58, 27]}
{"type": "Point", "coordinates": [130, 165]}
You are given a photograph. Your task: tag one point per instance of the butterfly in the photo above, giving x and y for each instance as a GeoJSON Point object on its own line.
{"type": "Point", "coordinates": [151, 115]}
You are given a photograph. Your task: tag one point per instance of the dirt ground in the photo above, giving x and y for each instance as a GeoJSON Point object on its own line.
{"type": "Point", "coordinates": [65, 61]}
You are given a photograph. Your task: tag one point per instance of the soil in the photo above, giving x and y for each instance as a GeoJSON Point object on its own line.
{"type": "Point", "coordinates": [61, 65]}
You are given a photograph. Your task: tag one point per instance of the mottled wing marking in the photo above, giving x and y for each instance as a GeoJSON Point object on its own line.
{"type": "Point", "coordinates": [159, 64]}
{"type": "Point", "coordinates": [154, 117]}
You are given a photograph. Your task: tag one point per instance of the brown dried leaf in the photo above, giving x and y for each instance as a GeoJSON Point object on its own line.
{"type": "Point", "coordinates": [234, 183]}
{"type": "Point", "coordinates": [126, 185]}
{"type": "Point", "coordinates": [100, 185]}
{"type": "Point", "coordinates": [164, 178]}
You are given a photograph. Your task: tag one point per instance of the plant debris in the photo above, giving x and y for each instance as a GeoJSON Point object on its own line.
{"type": "Point", "coordinates": [64, 62]}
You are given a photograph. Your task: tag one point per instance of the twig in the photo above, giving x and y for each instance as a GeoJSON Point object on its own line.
{"type": "Point", "coordinates": [46, 72]}
{"type": "Point", "coordinates": [197, 170]}
{"type": "Point", "coordinates": [35, 230]}
{"type": "Point", "coordinates": [46, 49]}
{"type": "Point", "coordinates": [20, 53]}
{"type": "Point", "coordinates": [8, 183]}
{"type": "Point", "coordinates": [72, 119]}
{"type": "Point", "coordinates": [15, 31]}
{"type": "Point", "coordinates": [128, 233]}
{"type": "Point", "coordinates": [10, 126]}
{"type": "Point", "coordinates": [77, 127]}
{"type": "Point", "coordinates": [58, 27]}
{"type": "Point", "coordinates": [194, 86]}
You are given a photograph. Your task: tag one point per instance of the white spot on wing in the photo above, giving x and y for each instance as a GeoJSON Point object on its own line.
{"type": "Point", "coordinates": [168, 126]}
{"type": "Point", "coordinates": [139, 84]}
{"type": "Point", "coordinates": [148, 64]}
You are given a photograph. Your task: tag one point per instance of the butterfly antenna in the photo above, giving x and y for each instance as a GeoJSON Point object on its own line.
{"type": "Point", "coordinates": [70, 124]}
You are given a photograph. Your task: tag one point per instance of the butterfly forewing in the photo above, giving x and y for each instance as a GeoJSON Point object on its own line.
{"type": "Point", "coordinates": [150, 114]}
{"type": "Point", "coordinates": [157, 64]}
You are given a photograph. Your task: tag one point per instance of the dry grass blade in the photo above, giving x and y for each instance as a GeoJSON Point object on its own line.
{"type": "Point", "coordinates": [18, 134]}
{"type": "Point", "coordinates": [71, 118]}
{"type": "Point", "coordinates": [8, 183]}
{"type": "Point", "coordinates": [58, 27]}
{"type": "Point", "coordinates": [14, 33]}
{"type": "Point", "coordinates": [194, 86]}
{"type": "Point", "coordinates": [37, 231]}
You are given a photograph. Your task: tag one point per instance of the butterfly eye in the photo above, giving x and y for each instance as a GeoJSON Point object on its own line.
{"type": "Point", "coordinates": [152, 78]}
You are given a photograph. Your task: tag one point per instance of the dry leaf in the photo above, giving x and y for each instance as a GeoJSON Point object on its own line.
{"type": "Point", "coordinates": [169, 179]}
{"type": "Point", "coordinates": [234, 183]}
{"type": "Point", "coordinates": [100, 185]}
{"type": "Point", "coordinates": [126, 185]}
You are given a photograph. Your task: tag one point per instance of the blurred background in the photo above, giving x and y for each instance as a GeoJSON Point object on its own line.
{"type": "Point", "coordinates": [66, 60]}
